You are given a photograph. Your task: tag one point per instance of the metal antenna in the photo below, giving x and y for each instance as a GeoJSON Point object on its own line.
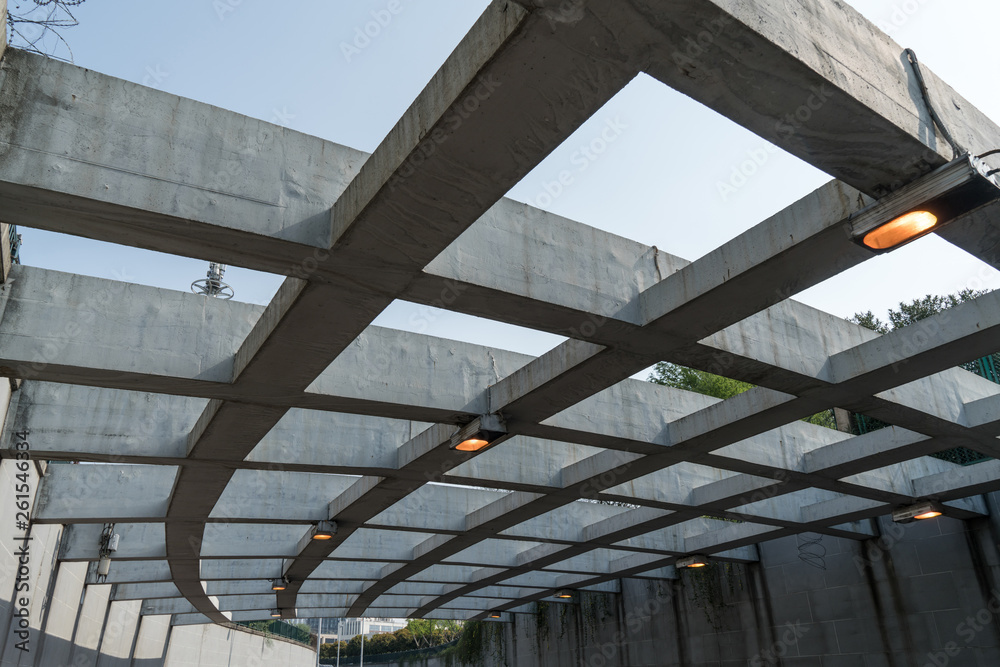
{"type": "Point", "coordinates": [213, 285]}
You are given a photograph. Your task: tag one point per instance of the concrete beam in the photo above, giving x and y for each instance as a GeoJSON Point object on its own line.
{"type": "Point", "coordinates": [176, 176]}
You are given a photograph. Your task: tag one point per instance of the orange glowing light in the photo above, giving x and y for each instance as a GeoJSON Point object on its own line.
{"type": "Point", "coordinates": [472, 445]}
{"type": "Point", "coordinates": [932, 514]}
{"type": "Point", "coordinates": [900, 230]}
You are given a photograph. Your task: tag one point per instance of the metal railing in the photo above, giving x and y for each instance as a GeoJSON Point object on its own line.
{"type": "Point", "coordinates": [15, 244]}
{"type": "Point", "coordinates": [278, 628]}
{"type": "Point", "coordinates": [383, 658]}
{"type": "Point", "coordinates": [987, 367]}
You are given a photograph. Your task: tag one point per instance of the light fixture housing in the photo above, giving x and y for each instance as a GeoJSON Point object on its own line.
{"type": "Point", "coordinates": [494, 614]}
{"type": "Point", "coordinates": [694, 561]}
{"type": "Point", "coordinates": [279, 584]}
{"type": "Point", "coordinates": [918, 512]}
{"type": "Point", "coordinates": [275, 613]}
{"type": "Point", "coordinates": [565, 594]}
{"type": "Point", "coordinates": [324, 530]}
{"type": "Point", "coordinates": [479, 434]}
{"type": "Point", "coordinates": [925, 205]}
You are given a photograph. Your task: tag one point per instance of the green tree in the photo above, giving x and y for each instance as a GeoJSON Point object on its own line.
{"type": "Point", "coordinates": [914, 311]}
{"type": "Point", "coordinates": [697, 381]}
{"type": "Point", "coordinates": [718, 386]}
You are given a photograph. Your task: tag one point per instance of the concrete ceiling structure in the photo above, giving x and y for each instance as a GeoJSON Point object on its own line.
{"type": "Point", "coordinates": [228, 430]}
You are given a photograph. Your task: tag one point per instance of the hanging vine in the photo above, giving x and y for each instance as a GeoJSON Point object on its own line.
{"type": "Point", "coordinates": [595, 609]}
{"type": "Point", "coordinates": [542, 623]}
{"type": "Point", "coordinates": [706, 587]}
{"type": "Point", "coordinates": [564, 611]}
{"type": "Point", "coordinates": [478, 642]}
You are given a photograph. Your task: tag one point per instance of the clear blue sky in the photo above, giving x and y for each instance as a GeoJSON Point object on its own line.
{"type": "Point", "coordinates": [658, 182]}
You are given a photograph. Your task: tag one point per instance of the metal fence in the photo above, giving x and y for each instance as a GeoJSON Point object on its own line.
{"type": "Point", "coordinates": [389, 657]}
{"type": "Point", "coordinates": [280, 628]}
{"type": "Point", "coordinates": [987, 367]}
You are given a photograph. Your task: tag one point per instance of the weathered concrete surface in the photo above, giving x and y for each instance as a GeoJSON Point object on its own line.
{"type": "Point", "coordinates": [905, 598]}
{"type": "Point", "coordinates": [355, 232]}
{"type": "Point", "coordinates": [211, 175]}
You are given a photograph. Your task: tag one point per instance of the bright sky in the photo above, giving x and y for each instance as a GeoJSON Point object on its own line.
{"type": "Point", "coordinates": [658, 182]}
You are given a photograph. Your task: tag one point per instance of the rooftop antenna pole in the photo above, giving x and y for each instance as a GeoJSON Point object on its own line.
{"type": "Point", "coordinates": [212, 284]}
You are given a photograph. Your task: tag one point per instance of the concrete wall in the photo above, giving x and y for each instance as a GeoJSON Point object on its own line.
{"type": "Point", "coordinates": [213, 645]}
{"type": "Point", "coordinates": [922, 594]}
{"type": "Point", "coordinates": [50, 617]}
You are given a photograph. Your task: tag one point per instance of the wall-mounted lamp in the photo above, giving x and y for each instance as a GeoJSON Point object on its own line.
{"type": "Point", "coordinates": [275, 613]}
{"type": "Point", "coordinates": [479, 434]}
{"type": "Point", "coordinates": [926, 205]}
{"type": "Point", "coordinates": [494, 614]}
{"type": "Point", "coordinates": [324, 530]}
{"type": "Point", "coordinates": [692, 561]}
{"type": "Point", "coordinates": [565, 594]}
{"type": "Point", "coordinates": [918, 512]}
{"type": "Point", "coordinates": [279, 584]}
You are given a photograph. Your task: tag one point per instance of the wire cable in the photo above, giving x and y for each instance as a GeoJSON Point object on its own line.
{"type": "Point", "coordinates": [955, 146]}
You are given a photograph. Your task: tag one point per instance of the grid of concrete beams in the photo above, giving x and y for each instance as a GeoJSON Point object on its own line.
{"type": "Point", "coordinates": [228, 430]}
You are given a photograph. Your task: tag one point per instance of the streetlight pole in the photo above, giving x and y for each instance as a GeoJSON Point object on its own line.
{"type": "Point", "coordinates": [338, 641]}
{"type": "Point", "coordinates": [319, 638]}
{"type": "Point", "coordinates": [362, 642]}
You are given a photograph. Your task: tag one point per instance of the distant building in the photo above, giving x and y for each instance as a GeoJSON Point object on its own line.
{"type": "Point", "coordinates": [351, 627]}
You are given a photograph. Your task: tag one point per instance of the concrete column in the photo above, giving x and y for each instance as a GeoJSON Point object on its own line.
{"type": "Point", "coordinates": [6, 251]}
{"type": "Point", "coordinates": [64, 608]}
{"type": "Point", "coordinates": [151, 644]}
{"type": "Point", "coordinates": [90, 626]}
{"type": "Point", "coordinates": [3, 26]}
{"type": "Point", "coordinates": [218, 646]}
{"type": "Point", "coordinates": [26, 565]}
{"type": "Point", "coordinates": [120, 630]}
{"type": "Point", "coordinates": [843, 418]}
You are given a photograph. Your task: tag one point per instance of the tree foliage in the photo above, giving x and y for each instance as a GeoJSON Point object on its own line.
{"type": "Point", "coordinates": [717, 386]}
{"type": "Point", "coordinates": [418, 633]}
{"type": "Point", "coordinates": [914, 311]}
{"type": "Point", "coordinates": [697, 381]}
